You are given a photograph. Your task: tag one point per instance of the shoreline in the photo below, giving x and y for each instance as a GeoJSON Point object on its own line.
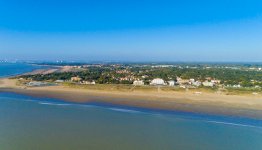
{"type": "Point", "coordinates": [215, 118]}
{"type": "Point", "coordinates": [211, 104]}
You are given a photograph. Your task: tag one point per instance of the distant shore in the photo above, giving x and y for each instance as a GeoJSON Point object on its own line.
{"type": "Point", "coordinates": [209, 103]}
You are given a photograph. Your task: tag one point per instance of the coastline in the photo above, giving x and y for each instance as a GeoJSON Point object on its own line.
{"type": "Point", "coordinates": [206, 103]}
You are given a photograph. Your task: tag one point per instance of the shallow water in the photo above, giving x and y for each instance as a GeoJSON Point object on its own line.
{"type": "Point", "coordinates": [28, 123]}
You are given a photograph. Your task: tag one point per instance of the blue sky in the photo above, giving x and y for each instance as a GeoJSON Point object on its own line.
{"type": "Point", "coordinates": [144, 30]}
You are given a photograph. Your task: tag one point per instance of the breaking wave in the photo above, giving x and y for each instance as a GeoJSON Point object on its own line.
{"type": "Point", "coordinates": [233, 124]}
{"type": "Point", "coordinates": [125, 110]}
{"type": "Point", "coordinates": [55, 104]}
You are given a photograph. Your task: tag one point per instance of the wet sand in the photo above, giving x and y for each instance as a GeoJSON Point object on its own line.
{"type": "Point", "coordinates": [207, 103]}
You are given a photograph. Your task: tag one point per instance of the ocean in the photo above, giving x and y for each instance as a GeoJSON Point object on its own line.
{"type": "Point", "coordinates": [30, 123]}
{"type": "Point", "coordinates": [11, 69]}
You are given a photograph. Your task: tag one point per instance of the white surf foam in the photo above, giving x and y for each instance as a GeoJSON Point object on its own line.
{"type": "Point", "coordinates": [55, 104]}
{"type": "Point", "coordinates": [233, 124]}
{"type": "Point", "coordinates": [124, 110]}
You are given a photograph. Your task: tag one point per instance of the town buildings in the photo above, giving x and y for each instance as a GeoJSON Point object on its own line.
{"type": "Point", "coordinates": [88, 82]}
{"type": "Point", "coordinates": [36, 83]}
{"type": "Point", "coordinates": [208, 84]}
{"type": "Point", "coordinates": [138, 82]}
{"type": "Point", "coordinates": [76, 79]}
{"type": "Point", "coordinates": [171, 83]}
{"type": "Point", "coordinates": [157, 81]}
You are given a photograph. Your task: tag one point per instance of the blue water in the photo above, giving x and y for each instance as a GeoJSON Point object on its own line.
{"type": "Point", "coordinates": [29, 123]}
{"type": "Point", "coordinates": [10, 69]}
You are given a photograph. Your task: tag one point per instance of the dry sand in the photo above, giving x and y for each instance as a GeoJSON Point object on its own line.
{"type": "Point", "coordinates": [7, 83]}
{"type": "Point", "coordinates": [211, 103]}
{"type": "Point", "coordinates": [56, 69]}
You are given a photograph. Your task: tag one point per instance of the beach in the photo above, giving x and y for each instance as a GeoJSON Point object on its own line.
{"type": "Point", "coordinates": [207, 103]}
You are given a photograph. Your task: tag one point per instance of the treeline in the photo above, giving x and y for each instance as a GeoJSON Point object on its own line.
{"type": "Point", "coordinates": [107, 75]}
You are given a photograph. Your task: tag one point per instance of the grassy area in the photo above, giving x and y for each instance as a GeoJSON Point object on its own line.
{"type": "Point", "coordinates": [21, 82]}
{"type": "Point", "coordinates": [243, 91]}
{"type": "Point", "coordinates": [129, 88]}
{"type": "Point", "coordinates": [112, 87]}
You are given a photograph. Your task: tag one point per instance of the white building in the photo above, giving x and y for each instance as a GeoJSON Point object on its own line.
{"type": "Point", "coordinates": [181, 81]}
{"type": "Point", "coordinates": [89, 82]}
{"type": "Point", "coordinates": [171, 83]}
{"type": "Point", "coordinates": [36, 83]}
{"type": "Point", "coordinates": [216, 81]}
{"type": "Point", "coordinates": [208, 84]}
{"type": "Point", "coordinates": [59, 81]}
{"type": "Point", "coordinates": [75, 79]}
{"type": "Point", "coordinates": [138, 82]}
{"type": "Point", "coordinates": [197, 83]}
{"type": "Point", "coordinates": [157, 81]}
{"type": "Point", "coordinates": [191, 80]}
{"type": "Point", "coordinates": [236, 86]}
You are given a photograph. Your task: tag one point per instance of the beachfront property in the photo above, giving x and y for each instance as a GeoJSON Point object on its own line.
{"type": "Point", "coordinates": [132, 74]}
{"type": "Point", "coordinates": [208, 84]}
{"type": "Point", "coordinates": [181, 81]}
{"type": "Point", "coordinates": [138, 82]}
{"type": "Point", "coordinates": [76, 79]}
{"type": "Point", "coordinates": [215, 81]}
{"type": "Point", "coordinates": [196, 83]}
{"type": "Point", "coordinates": [36, 83]}
{"type": "Point", "coordinates": [171, 83]}
{"type": "Point", "coordinates": [236, 86]}
{"type": "Point", "coordinates": [157, 81]}
{"type": "Point", "coordinates": [59, 81]}
{"type": "Point", "coordinates": [191, 81]}
{"type": "Point", "coordinates": [88, 82]}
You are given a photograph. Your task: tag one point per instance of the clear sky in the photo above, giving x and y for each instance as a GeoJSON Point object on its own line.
{"type": "Point", "coordinates": [137, 30]}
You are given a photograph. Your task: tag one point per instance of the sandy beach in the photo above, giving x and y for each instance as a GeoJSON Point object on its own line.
{"type": "Point", "coordinates": [53, 69]}
{"type": "Point", "coordinates": [210, 103]}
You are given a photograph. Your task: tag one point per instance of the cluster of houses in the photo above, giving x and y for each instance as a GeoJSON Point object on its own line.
{"type": "Point", "coordinates": [77, 80]}
{"type": "Point", "coordinates": [37, 83]}
{"type": "Point", "coordinates": [180, 82]}
{"type": "Point", "coordinates": [183, 83]}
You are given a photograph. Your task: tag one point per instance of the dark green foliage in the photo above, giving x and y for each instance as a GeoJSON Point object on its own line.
{"type": "Point", "coordinates": [108, 75]}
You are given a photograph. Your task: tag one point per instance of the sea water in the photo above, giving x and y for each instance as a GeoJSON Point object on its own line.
{"type": "Point", "coordinates": [10, 69]}
{"type": "Point", "coordinates": [29, 123]}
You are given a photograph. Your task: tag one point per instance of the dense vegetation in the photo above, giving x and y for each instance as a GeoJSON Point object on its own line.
{"type": "Point", "coordinates": [109, 75]}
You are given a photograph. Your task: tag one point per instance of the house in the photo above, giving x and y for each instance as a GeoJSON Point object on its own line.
{"type": "Point", "coordinates": [145, 76]}
{"type": "Point", "coordinates": [181, 81]}
{"type": "Point", "coordinates": [208, 84]}
{"type": "Point", "coordinates": [59, 81]}
{"type": "Point", "coordinates": [138, 82]}
{"type": "Point", "coordinates": [196, 83]}
{"type": "Point", "coordinates": [191, 80]}
{"type": "Point", "coordinates": [75, 79]}
{"type": "Point", "coordinates": [36, 83]}
{"type": "Point", "coordinates": [171, 83]}
{"type": "Point", "coordinates": [236, 86]}
{"type": "Point", "coordinates": [216, 81]}
{"type": "Point", "coordinates": [88, 82]}
{"type": "Point", "coordinates": [157, 81]}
